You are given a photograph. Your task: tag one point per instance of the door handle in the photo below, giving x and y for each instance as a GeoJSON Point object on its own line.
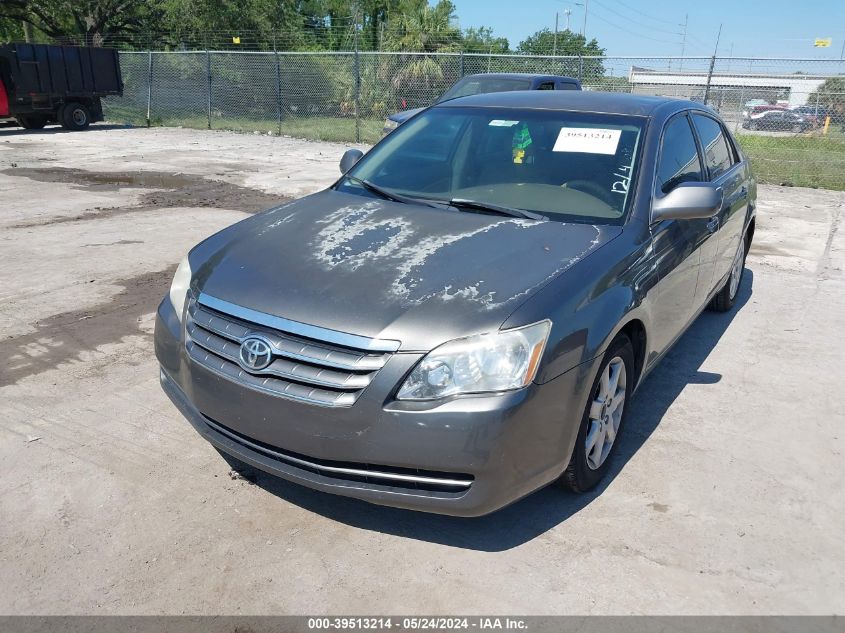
{"type": "Point", "coordinates": [743, 193]}
{"type": "Point", "coordinates": [713, 224]}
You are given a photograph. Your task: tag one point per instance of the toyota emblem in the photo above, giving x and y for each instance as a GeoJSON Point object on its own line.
{"type": "Point", "coordinates": [255, 353]}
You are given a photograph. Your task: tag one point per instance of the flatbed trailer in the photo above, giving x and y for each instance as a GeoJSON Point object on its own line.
{"type": "Point", "coordinates": [41, 84]}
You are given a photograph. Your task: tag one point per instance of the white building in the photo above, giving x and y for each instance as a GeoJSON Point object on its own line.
{"type": "Point", "coordinates": [735, 88]}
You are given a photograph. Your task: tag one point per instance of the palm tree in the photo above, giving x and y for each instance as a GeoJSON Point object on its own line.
{"type": "Point", "coordinates": [421, 28]}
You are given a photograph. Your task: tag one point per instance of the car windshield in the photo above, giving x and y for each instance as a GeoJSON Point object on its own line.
{"type": "Point", "coordinates": [480, 85]}
{"type": "Point", "coordinates": [567, 166]}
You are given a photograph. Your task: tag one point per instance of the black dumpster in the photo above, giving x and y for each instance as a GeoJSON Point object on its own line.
{"type": "Point", "coordinates": [61, 84]}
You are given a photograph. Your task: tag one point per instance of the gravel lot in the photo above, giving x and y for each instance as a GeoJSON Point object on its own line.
{"type": "Point", "coordinates": [727, 496]}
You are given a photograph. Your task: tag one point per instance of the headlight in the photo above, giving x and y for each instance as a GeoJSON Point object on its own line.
{"type": "Point", "coordinates": [476, 364]}
{"type": "Point", "coordinates": [390, 125]}
{"type": "Point", "coordinates": [179, 287]}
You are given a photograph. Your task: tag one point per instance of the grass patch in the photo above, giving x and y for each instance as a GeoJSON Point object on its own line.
{"type": "Point", "coordinates": [800, 161]}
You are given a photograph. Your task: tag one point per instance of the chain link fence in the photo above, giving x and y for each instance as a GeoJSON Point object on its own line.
{"type": "Point", "coordinates": [788, 114]}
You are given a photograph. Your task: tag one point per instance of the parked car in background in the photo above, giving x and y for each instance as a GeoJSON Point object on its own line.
{"type": "Point", "coordinates": [755, 102]}
{"type": "Point", "coordinates": [778, 120]}
{"type": "Point", "coordinates": [813, 113]}
{"type": "Point", "coordinates": [490, 82]}
{"type": "Point", "coordinates": [464, 316]}
{"type": "Point", "coordinates": [760, 109]}
{"type": "Point", "coordinates": [41, 84]}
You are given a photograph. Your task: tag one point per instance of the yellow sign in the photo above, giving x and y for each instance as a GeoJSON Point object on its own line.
{"type": "Point", "coordinates": [237, 40]}
{"type": "Point", "coordinates": [823, 43]}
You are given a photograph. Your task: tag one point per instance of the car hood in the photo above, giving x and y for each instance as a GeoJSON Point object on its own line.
{"type": "Point", "coordinates": [387, 270]}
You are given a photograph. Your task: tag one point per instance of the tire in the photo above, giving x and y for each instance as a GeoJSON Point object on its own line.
{"type": "Point", "coordinates": [75, 116]}
{"type": "Point", "coordinates": [589, 464]}
{"type": "Point", "coordinates": [32, 121]}
{"type": "Point", "coordinates": [753, 126]}
{"type": "Point", "coordinates": [726, 297]}
{"type": "Point", "coordinates": [797, 128]}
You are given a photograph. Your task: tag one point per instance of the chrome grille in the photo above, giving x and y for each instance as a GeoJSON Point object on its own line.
{"type": "Point", "coordinates": [302, 368]}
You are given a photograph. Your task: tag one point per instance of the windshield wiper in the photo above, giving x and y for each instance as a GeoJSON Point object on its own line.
{"type": "Point", "coordinates": [385, 193]}
{"type": "Point", "coordinates": [463, 203]}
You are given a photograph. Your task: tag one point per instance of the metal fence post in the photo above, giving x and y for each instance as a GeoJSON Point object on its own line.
{"type": "Point", "coordinates": [357, 94]}
{"type": "Point", "coordinates": [580, 67]}
{"type": "Point", "coordinates": [208, 72]}
{"type": "Point", "coordinates": [461, 65]}
{"type": "Point", "coordinates": [709, 79]}
{"type": "Point", "coordinates": [278, 90]}
{"type": "Point", "coordinates": [149, 86]}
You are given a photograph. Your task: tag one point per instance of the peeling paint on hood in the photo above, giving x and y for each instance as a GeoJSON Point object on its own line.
{"type": "Point", "coordinates": [380, 268]}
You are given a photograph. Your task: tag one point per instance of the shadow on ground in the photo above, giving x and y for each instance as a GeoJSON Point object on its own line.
{"type": "Point", "coordinates": [10, 130]}
{"type": "Point", "coordinates": [546, 508]}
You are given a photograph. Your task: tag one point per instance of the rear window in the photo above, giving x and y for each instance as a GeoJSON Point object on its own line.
{"type": "Point", "coordinates": [483, 85]}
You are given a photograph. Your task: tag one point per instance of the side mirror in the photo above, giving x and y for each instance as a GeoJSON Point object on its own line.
{"type": "Point", "coordinates": [349, 158]}
{"type": "Point", "coordinates": [688, 201]}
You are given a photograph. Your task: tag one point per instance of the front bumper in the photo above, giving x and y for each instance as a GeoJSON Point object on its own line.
{"type": "Point", "coordinates": [466, 456]}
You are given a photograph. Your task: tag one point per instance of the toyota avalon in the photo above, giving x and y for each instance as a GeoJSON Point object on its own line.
{"type": "Point", "coordinates": [464, 316]}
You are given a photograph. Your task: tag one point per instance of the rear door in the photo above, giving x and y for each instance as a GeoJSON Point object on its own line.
{"type": "Point", "coordinates": [723, 169]}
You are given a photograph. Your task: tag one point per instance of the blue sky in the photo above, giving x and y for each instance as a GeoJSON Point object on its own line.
{"type": "Point", "coordinates": [774, 28]}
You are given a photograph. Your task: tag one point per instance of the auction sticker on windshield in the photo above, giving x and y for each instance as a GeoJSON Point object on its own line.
{"type": "Point", "coordinates": [587, 140]}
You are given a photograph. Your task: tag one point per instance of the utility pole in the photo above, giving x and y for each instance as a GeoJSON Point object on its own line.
{"type": "Point", "coordinates": [568, 12]}
{"type": "Point", "coordinates": [712, 64]}
{"type": "Point", "coordinates": [584, 28]}
{"type": "Point", "coordinates": [554, 47]}
{"type": "Point", "coordinates": [683, 41]}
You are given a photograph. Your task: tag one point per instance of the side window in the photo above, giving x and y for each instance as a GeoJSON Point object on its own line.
{"type": "Point", "coordinates": [567, 85]}
{"type": "Point", "coordinates": [547, 85]}
{"type": "Point", "coordinates": [678, 156]}
{"type": "Point", "coordinates": [717, 154]}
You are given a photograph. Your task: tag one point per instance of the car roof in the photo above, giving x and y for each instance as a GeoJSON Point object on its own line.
{"type": "Point", "coordinates": [519, 76]}
{"type": "Point", "coordinates": [582, 101]}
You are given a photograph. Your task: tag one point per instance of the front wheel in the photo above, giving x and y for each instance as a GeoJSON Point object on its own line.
{"type": "Point", "coordinates": [75, 116]}
{"type": "Point", "coordinates": [603, 419]}
{"type": "Point", "coordinates": [726, 297]}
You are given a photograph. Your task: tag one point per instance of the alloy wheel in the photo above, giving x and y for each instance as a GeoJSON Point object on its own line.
{"type": "Point", "coordinates": [736, 270]}
{"type": "Point", "coordinates": [606, 413]}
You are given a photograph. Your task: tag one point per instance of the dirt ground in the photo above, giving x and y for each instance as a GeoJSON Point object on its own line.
{"type": "Point", "coordinates": [727, 496]}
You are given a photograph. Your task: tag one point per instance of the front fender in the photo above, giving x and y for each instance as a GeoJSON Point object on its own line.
{"type": "Point", "coordinates": [592, 302]}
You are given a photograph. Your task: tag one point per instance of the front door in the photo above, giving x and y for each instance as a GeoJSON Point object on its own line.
{"type": "Point", "coordinates": [677, 244]}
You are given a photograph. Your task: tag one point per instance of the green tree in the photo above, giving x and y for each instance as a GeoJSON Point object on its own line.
{"type": "Point", "coordinates": [568, 43]}
{"type": "Point", "coordinates": [420, 27]}
{"type": "Point", "coordinates": [830, 95]}
{"type": "Point", "coordinates": [10, 30]}
{"type": "Point", "coordinates": [482, 40]}
{"type": "Point", "coordinates": [91, 21]}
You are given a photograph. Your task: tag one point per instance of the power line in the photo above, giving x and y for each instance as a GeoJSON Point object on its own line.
{"type": "Point", "coordinates": [643, 13]}
{"type": "Point", "coordinates": [627, 29]}
{"type": "Point", "coordinates": [642, 24]}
